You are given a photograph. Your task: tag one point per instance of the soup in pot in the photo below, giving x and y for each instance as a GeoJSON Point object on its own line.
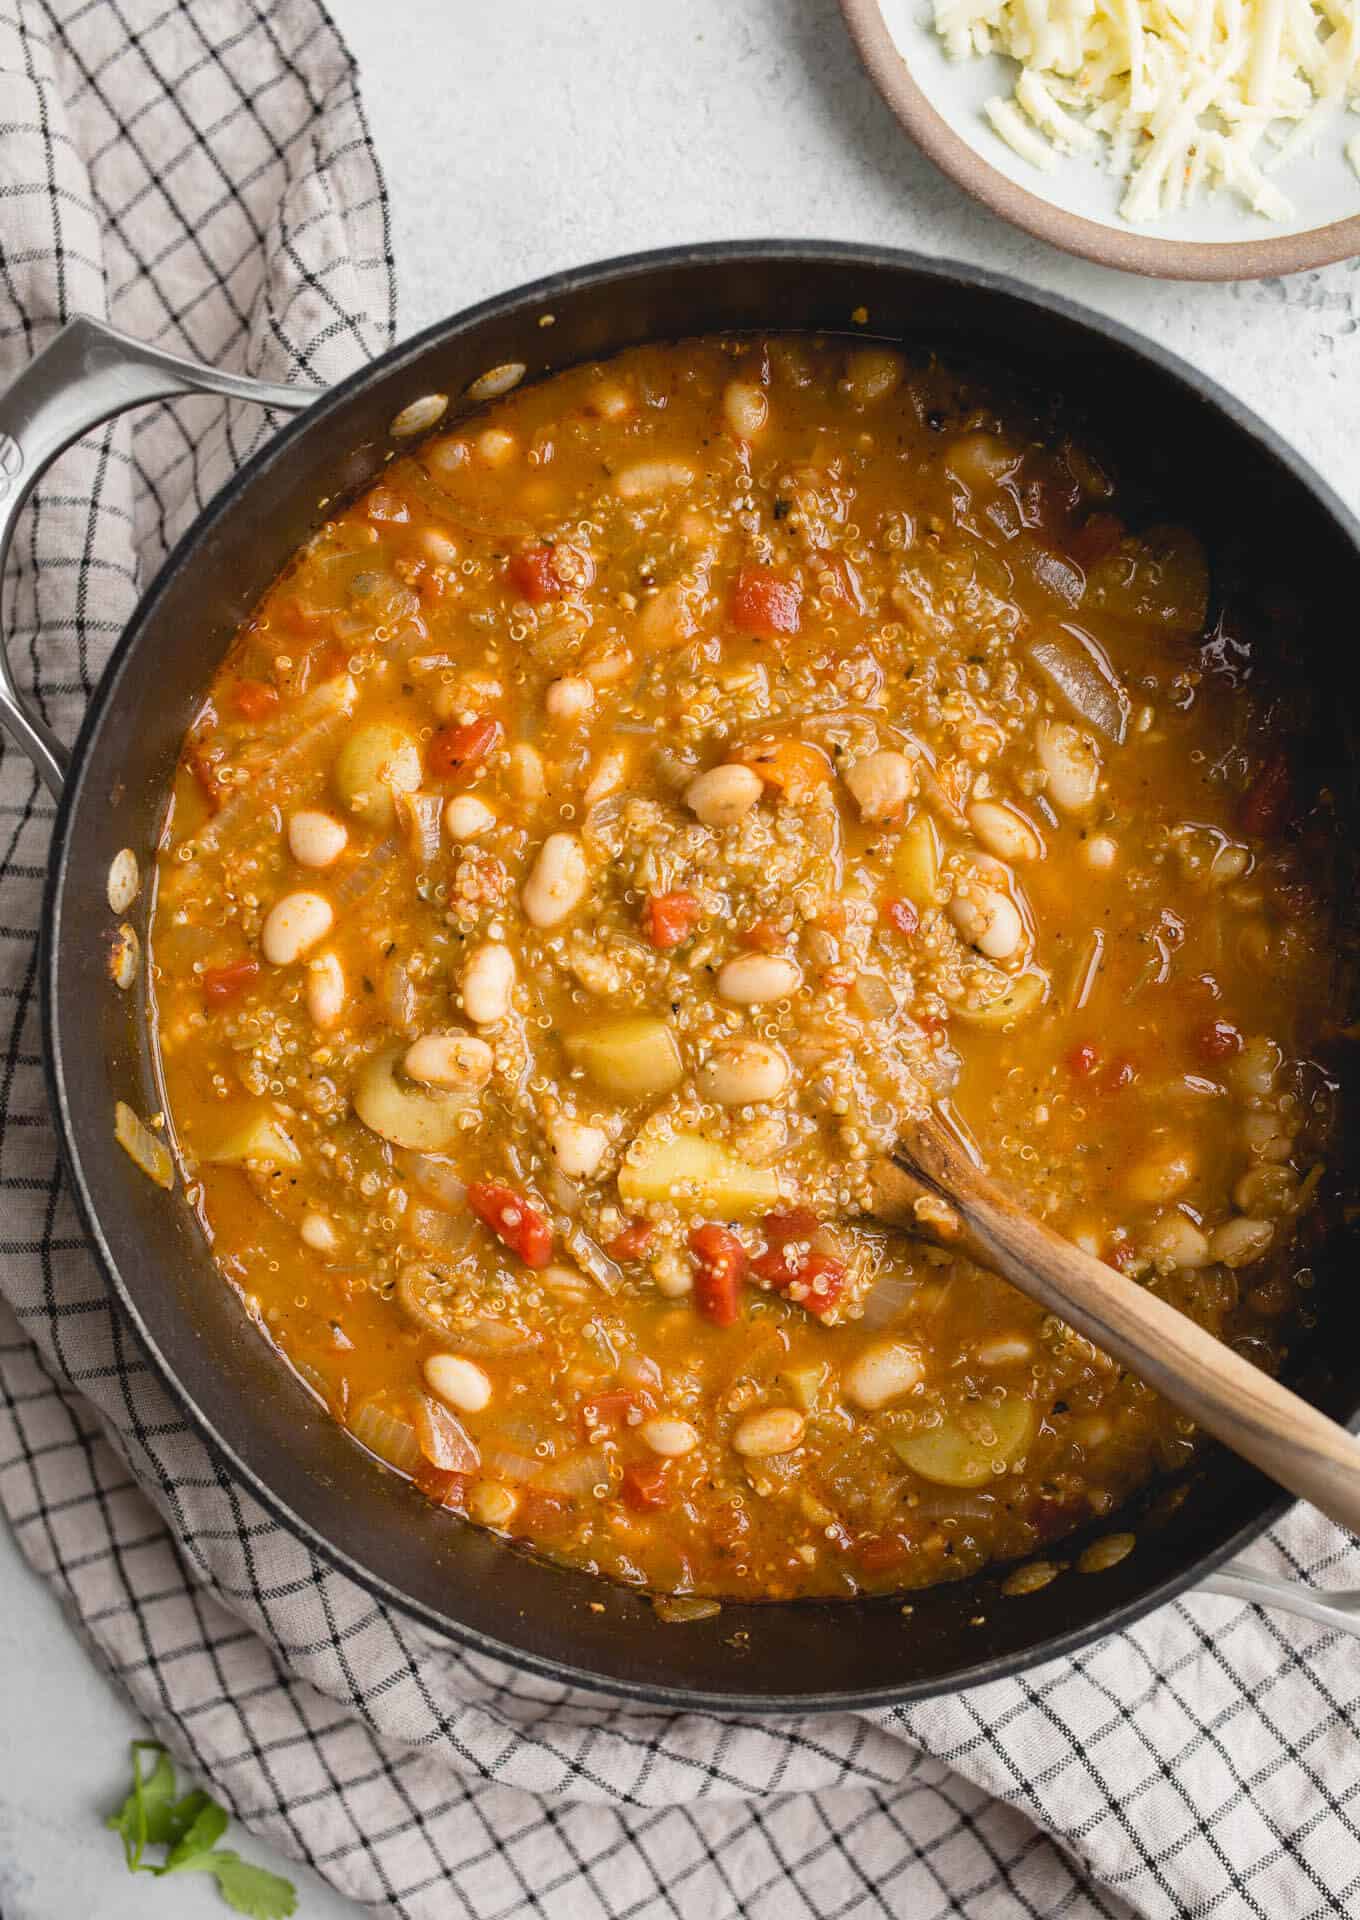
{"type": "Point", "coordinates": [608, 834]}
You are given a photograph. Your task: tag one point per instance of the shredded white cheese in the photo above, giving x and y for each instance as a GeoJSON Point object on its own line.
{"type": "Point", "coordinates": [1187, 95]}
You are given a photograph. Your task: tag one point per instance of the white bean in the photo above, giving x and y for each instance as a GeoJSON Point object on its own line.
{"type": "Point", "coordinates": [871, 373]}
{"type": "Point", "coordinates": [528, 776]}
{"type": "Point", "coordinates": [325, 991]}
{"type": "Point", "coordinates": [317, 1233]}
{"type": "Point", "coordinates": [1238, 1242]}
{"type": "Point", "coordinates": [437, 547]}
{"type": "Point", "coordinates": [466, 817]}
{"type": "Point", "coordinates": [647, 477]}
{"type": "Point", "coordinates": [559, 882]}
{"type": "Point", "coordinates": [1267, 1190]}
{"type": "Point", "coordinates": [1264, 1136]}
{"type": "Point", "coordinates": [723, 795]}
{"type": "Point", "coordinates": [881, 1373]}
{"type": "Point", "coordinates": [989, 921]}
{"type": "Point", "coordinates": [1071, 763]}
{"type": "Point", "coordinates": [449, 1060]}
{"type": "Point", "coordinates": [1101, 852]}
{"type": "Point", "coordinates": [577, 1148]}
{"type": "Point", "coordinates": [488, 982]}
{"type": "Point", "coordinates": [316, 839]}
{"type": "Point", "coordinates": [771, 1430]}
{"type": "Point", "coordinates": [1162, 1175]}
{"type": "Point", "coordinates": [607, 775]}
{"type": "Point", "coordinates": [492, 1505]}
{"type": "Point", "coordinates": [743, 1074]}
{"type": "Point", "coordinates": [758, 977]}
{"type": "Point", "coordinates": [1253, 1071]}
{"type": "Point", "coordinates": [882, 783]}
{"type": "Point", "coordinates": [496, 447]}
{"type": "Point", "coordinates": [1003, 831]}
{"type": "Point", "coordinates": [669, 1438]}
{"type": "Point", "coordinates": [1174, 1238]}
{"type": "Point", "coordinates": [124, 881]}
{"type": "Point", "coordinates": [293, 926]}
{"type": "Point", "coordinates": [1006, 1350]}
{"type": "Point", "coordinates": [569, 698]}
{"type": "Point", "coordinates": [674, 1276]}
{"type": "Point", "coordinates": [459, 1382]}
{"type": "Point", "coordinates": [745, 408]}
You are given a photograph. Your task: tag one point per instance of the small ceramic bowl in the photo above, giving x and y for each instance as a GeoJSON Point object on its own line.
{"type": "Point", "coordinates": [939, 101]}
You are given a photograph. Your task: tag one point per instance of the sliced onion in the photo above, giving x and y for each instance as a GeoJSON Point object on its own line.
{"type": "Point", "coordinates": [364, 875]}
{"type": "Point", "coordinates": [891, 1295]}
{"type": "Point", "coordinates": [953, 1503]}
{"type": "Point", "coordinates": [142, 1147]}
{"type": "Point", "coordinates": [388, 1433]}
{"type": "Point", "coordinates": [420, 813]}
{"type": "Point", "coordinates": [319, 716]}
{"type": "Point", "coordinates": [447, 1233]}
{"type": "Point", "coordinates": [1056, 575]}
{"type": "Point", "coordinates": [520, 1469]}
{"type": "Point", "coordinates": [398, 996]}
{"type": "Point", "coordinates": [485, 1336]}
{"type": "Point", "coordinates": [564, 1193]}
{"type": "Point", "coordinates": [1078, 668]}
{"type": "Point", "coordinates": [437, 1180]}
{"type": "Point", "coordinates": [592, 1259]}
{"type": "Point", "coordinates": [443, 1439]}
{"type": "Point", "coordinates": [576, 1475]}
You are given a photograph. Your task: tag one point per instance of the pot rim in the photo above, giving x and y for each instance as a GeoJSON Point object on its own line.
{"type": "Point", "coordinates": [408, 353]}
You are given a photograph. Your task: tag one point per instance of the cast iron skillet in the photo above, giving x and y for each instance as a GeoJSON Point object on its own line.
{"type": "Point", "coordinates": [1199, 454]}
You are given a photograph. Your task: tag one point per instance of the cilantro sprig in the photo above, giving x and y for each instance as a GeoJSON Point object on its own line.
{"type": "Point", "coordinates": [188, 1829]}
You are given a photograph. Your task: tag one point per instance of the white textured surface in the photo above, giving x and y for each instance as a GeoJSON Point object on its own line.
{"type": "Point", "coordinates": [519, 138]}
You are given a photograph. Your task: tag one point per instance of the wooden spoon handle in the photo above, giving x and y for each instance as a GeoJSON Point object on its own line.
{"type": "Point", "coordinates": [1245, 1408]}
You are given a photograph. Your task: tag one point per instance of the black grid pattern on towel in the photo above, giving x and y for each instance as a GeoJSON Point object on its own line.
{"type": "Point", "coordinates": [201, 174]}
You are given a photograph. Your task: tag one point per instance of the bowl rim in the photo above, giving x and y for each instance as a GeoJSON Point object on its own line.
{"type": "Point", "coordinates": [1134, 251]}
{"type": "Point", "coordinates": [64, 1098]}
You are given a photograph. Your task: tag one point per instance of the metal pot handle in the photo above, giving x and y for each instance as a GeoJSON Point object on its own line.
{"type": "Point", "coordinates": [1340, 1611]}
{"type": "Point", "coordinates": [88, 373]}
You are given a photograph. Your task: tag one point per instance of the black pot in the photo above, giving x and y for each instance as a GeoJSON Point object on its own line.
{"type": "Point", "coordinates": [1194, 450]}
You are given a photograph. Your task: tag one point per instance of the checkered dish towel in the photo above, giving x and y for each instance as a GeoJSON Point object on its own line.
{"type": "Point", "coordinates": [201, 175]}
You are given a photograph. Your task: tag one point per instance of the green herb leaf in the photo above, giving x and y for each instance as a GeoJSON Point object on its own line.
{"type": "Point", "coordinates": [189, 1830]}
{"type": "Point", "coordinates": [250, 1890]}
{"type": "Point", "coordinates": [201, 1835]}
{"type": "Point", "coordinates": [146, 1816]}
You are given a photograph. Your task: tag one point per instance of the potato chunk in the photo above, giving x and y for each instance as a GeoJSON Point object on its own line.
{"type": "Point", "coordinates": [635, 1058]}
{"type": "Point", "coordinates": [698, 1176]}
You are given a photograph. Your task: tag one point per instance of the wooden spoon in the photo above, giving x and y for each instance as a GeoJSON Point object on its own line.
{"type": "Point", "coordinates": [932, 1188]}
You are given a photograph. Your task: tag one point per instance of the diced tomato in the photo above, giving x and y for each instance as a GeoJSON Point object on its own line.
{"type": "Point", "coordinates": [794, 1223]}
{"type": "Point", "coordinates": [646, 1485]}
{"type": "Point", "coordinates": [1265, 807]}
{"type": "Point", "coordinates": [444, 1489]}
{"type": "Point", "coordinates": [546, 573]}
{"type": "Point", "coordinates": [1218, 1041]}
{"type": "Point", "coordinates": [1097, 537]}
{"type": "Point", "coordinates": [668, 919]}
{"type": "Point", "coordinates": [722, 1268]}
{"type": "Point", "coordinates": [792, 767]}
{"type": "Point", "coordinates": [254, 699]}
{"type": "Point", "coordinates": [1083, 1061]}
{"type": "Point", "coordinates": [764, 602]}
{"type": "Point", "coordinates": [513, 1221]}
{"type": "Point", "coordinates": [902, 915]}
{"type": "Point", "coordinates": [815, 1279]}
{"type": "Point", "coordinates": [633, 1241]}
{"type": "Point", "coordinates": [457, 751]}
{"type": "Point", "coordinates": [1118, 1075]}
{"type": "Point", "coordinates": [764, 936]}
{"type": "Point", "coordinates": [222, 984]}
{"type": "Point", "coordinates": [880, 1551]}
{"type": "Point", "coordinates": [616, 1408]}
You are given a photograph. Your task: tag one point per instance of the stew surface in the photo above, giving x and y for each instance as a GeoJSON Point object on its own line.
{"type": "Point", "coordinates": [601, 842]}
